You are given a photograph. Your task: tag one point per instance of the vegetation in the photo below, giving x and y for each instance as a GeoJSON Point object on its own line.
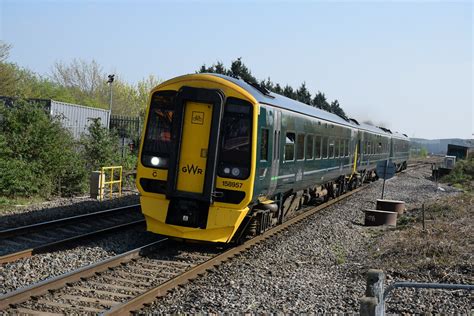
{"type": "Point", "coordinates": [462, 176]}
{"type": "Point", "coordinates": [239, 70]}
{"type": "Point", "coordinates": [78, 82]}
{"type": "Point", "coordinates": [38, 157]}
{"type": "Point", "coordinates": [446, 242]}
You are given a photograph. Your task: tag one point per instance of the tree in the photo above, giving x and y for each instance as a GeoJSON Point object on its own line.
{"type": "Point", "coordinates": [8, 78]}
{"type": "Point", "coordinates": [320, 102]}
{"type": "Point", "coordinates": [289, 92]}
{"type": "Point", "coordinates": [336, 109]}
{"type": "Point", "coordinates": [239, 70]}
{"type": "Point", "coordinates": [303, 95]}
{"type": "Point", "coordinates": [278, 89]}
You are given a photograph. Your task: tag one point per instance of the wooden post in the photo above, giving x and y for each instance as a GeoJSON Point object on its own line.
{"type": "Point", "coordinates": [423, 214]}
{"type": "Point", "coordinates": [373, 303]}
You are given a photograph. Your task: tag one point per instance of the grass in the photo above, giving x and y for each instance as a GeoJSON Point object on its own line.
{"type": "Point", "coordinates": [9, 203]}
{"type": "Point", "coordinates": [447, 240]}
{"type": "Point", "coordinates": [340, 254]}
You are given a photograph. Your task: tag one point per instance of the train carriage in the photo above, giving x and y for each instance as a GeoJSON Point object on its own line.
{"type": "Point", "coordinates": [222, 159]}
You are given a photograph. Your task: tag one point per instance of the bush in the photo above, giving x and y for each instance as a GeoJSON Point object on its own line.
{"type": "Point", "coordinates": [37, 155]}
{"type": "Point", "coordinates": [101, 147]}
{"type": "Point", "coordinates": [462, 175]}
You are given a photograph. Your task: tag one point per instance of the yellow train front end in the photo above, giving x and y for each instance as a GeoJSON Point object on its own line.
{"type": "Point", "coordinates": [197, 156]}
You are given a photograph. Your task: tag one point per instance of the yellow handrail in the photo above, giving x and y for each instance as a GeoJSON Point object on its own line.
{"type": "Point", "coordinates": [354, 167]}
{"type": "Point", "coordinates": [112, 180]}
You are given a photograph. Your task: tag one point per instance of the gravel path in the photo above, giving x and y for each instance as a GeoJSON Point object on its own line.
{"type": "Point", "coordinates": [315, 266]}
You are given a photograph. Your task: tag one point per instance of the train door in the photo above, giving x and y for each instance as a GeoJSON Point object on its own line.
{"type": "Point", "coordinates": [196, 129]}
{"type": "Point", "coordinates": [275, 165]}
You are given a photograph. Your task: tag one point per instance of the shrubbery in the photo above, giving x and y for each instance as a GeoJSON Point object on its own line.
{"type": "Point", "coordinates": [462, 175]}
{"type": "Point", "coordinates": [39, 157]}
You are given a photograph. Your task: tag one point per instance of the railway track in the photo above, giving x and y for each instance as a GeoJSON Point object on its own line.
{"type": "Point", "coordinates": [25, 241]}
{"type": "Point", "coordinates": [124, 283]}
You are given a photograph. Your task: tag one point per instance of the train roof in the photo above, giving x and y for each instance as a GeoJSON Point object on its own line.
{"type": "Point", "coordinates": [286, 103]}
{"type": "Point", "coordinates": [280, 101]}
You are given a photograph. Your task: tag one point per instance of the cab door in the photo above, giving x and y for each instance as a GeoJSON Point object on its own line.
{"type": "Point", "coordinates": [196, 130]}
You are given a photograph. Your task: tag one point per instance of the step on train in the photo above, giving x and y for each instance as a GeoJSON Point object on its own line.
{"type": "Point", "coordinates": [222, 159]}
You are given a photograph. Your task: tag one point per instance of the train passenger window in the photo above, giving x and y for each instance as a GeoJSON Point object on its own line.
{"type": "Point", "coordinates": [290, 146]}
{"type": "Point", "coordinates": [341, 147]}
{"type": "Point", "coordinates": [331, 148]}
{"type": "Point", "coordinates": [369, 148]}
{"type": "Point", "coordinates": [317, 147]}
{"type": "Point", "coordinates": [157, 141]}
{"type": "Point", "coordinates": [264, 145]}
{"type": "Point", "coordinates": [336, 148]}
{"type": "Point", "coordinates": [347, 148]}
{"type": "Point", "coordinates": [309, 147]}
{"type": "Point", "coordinates": [325, 147]}
{"type": "Point", "coordinates": [300, 147]}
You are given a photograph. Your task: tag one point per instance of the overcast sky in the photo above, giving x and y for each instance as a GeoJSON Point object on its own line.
{"type": "Point", "coordinates": [407, 65]}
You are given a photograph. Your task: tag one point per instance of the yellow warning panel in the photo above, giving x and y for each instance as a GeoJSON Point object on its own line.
{"type": "Point", "coordinates": [194, 145]}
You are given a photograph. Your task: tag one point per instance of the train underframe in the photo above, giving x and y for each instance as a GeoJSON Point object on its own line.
{"type": "Point", "coordinates": [284, 206]}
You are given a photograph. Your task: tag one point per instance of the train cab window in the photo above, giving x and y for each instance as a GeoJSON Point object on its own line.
{"type": "Point", "coordinates": [290, 146]}
{"type": "Point", "coordinates": [325, 147]}
{"type": "Point", "coordinates": [300, 147]}
{"type": "Point", "coordinates": [235, 144]}
{"type": "Point", "coordinates": [264, 145]}
{"type": "Point", "coordinates": [157, 144]}
{"type": "Point", "coordinates": [331, 148]}
{"type": "Point", "coordinates": [309, 147]}
{"type": "Point", "coordinates": [317, 147]}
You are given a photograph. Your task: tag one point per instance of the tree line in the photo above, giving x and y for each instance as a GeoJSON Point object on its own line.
{"type": "Point", "coordinates": [239, 70]}
{"type": "Point", "coordinates": [80, 82]}
{"type": "Point", "coordinates": [85, 83]}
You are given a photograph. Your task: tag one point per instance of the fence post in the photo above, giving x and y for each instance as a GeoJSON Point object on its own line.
{"type": "Point", "coordinates": [373, 303]}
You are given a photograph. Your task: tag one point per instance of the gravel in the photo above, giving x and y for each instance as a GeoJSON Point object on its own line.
{"type": "Point", "coordinates": [317, 265]}
{"type": "Point", "coordinates": [59, 208]}
{"type": "Point", "coordinates": [39, 267]}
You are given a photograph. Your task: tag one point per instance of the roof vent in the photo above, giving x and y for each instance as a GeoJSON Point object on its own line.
{"type": "Point", "coordinates": [354, 121]}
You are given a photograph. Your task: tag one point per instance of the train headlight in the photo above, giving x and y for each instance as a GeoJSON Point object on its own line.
{"type": "Point", "coordinates": [155, 161]}
{"type": "Point", "coordinates": [235, 172]}
{"type": "Point", "coordinates": [226, 170]}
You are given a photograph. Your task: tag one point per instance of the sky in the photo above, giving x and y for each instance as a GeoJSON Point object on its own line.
{"type": "Point", "coordinates": [403, 64]}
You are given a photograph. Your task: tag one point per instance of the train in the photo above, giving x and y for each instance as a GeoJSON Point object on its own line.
{"type": "Point", "coordinates": [222, 159]}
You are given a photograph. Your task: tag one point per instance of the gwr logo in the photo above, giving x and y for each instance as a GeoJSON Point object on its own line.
{"type": "Point", "coordinates": [191, 169]}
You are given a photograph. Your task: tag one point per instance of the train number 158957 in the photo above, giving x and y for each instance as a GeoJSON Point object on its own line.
{"type": "Point", "coordinates": [232, 184]}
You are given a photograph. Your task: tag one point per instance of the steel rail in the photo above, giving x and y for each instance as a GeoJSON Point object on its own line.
{"type": "Point", "coordinates": [56, 244]}
{"type": "Point", "coordinates": [62, 221]}
{"type": "Point", "coordinates": [43, 287]}
{"type": "Point", "coordinates": [199, 270]}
